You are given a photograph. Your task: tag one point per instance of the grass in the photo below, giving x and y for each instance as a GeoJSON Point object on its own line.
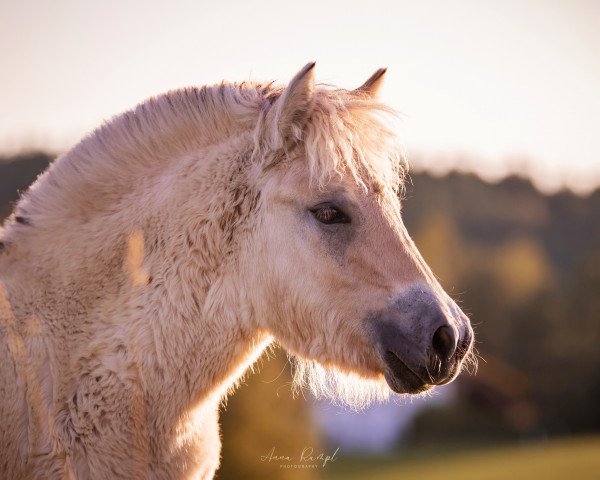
{"type": "Point", "coordinates": [573, 459]}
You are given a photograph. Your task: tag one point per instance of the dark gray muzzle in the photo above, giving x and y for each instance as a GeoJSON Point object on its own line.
{"type": "Point", "coordinates": [422, 339]}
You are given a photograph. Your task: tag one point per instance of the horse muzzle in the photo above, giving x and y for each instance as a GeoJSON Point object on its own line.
{"type": "Point", "coordinates": [422, 340]}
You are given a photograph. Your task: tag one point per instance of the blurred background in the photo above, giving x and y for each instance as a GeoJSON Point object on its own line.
{"type": "Point", "coordinates": [500, 102]}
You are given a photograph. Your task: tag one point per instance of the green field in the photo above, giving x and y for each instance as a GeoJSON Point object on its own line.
{"type": "Point", "coordinates": [572, 459]}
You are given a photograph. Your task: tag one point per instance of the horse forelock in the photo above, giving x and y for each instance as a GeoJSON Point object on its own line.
{"type": "Point", "coordinates": [347, 133]}
{"type": "Point", "coordinates": [351, 135]}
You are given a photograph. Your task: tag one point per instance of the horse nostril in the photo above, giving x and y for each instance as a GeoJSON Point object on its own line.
{"type": "Point", "coordinates": [443, 342]}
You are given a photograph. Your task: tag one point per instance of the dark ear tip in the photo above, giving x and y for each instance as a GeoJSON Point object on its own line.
{"type": "Point", "coordinates": [308, 68]}
{"type": "Point", "coordinates": [305, 73]}
{"type": "Point", "coordinates": [373, 84]}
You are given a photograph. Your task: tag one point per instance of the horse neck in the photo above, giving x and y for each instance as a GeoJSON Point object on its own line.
{"type": "Point", "coordinates": [149, 263]}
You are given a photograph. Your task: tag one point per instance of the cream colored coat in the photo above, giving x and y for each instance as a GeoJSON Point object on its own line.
{"type": "Point", "coordinates": [152, 263]}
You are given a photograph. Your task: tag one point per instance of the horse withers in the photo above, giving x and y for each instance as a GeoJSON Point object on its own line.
{"type": "Point", "coordinates": [152, 264]}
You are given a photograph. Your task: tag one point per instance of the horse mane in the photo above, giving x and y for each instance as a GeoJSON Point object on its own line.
{"type": "Point", "coordinates": [347, 133]}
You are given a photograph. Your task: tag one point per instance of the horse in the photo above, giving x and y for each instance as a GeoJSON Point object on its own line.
{"type": "Point", "coordinates": [151, 264]}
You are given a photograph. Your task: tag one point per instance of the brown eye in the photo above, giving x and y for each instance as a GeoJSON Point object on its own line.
{"type": "Point", "coordinates": [329, 214]}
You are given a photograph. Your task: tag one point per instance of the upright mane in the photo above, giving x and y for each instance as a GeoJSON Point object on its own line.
{"type": "Point", "coordinates": [347, 133]}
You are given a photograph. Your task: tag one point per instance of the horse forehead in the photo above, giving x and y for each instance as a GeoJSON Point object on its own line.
{"type": "Point", "coordinates": [295, 179]}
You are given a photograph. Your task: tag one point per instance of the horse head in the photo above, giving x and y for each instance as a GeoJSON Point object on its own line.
{"type": "Point", "coordinates": [342, 285]}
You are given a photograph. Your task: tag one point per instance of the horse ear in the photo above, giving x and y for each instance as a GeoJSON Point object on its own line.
{"type": "Point", "coordinates": [292, 109]}
{"type": "Point", "coordinates": [372, 86]}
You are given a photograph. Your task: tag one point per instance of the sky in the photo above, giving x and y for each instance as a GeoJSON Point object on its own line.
{"type": "Point", "coordinates": [491, 87]}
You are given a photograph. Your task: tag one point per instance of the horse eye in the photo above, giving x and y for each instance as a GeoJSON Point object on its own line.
{"type": "Point", "coordinates": [328, 214]}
